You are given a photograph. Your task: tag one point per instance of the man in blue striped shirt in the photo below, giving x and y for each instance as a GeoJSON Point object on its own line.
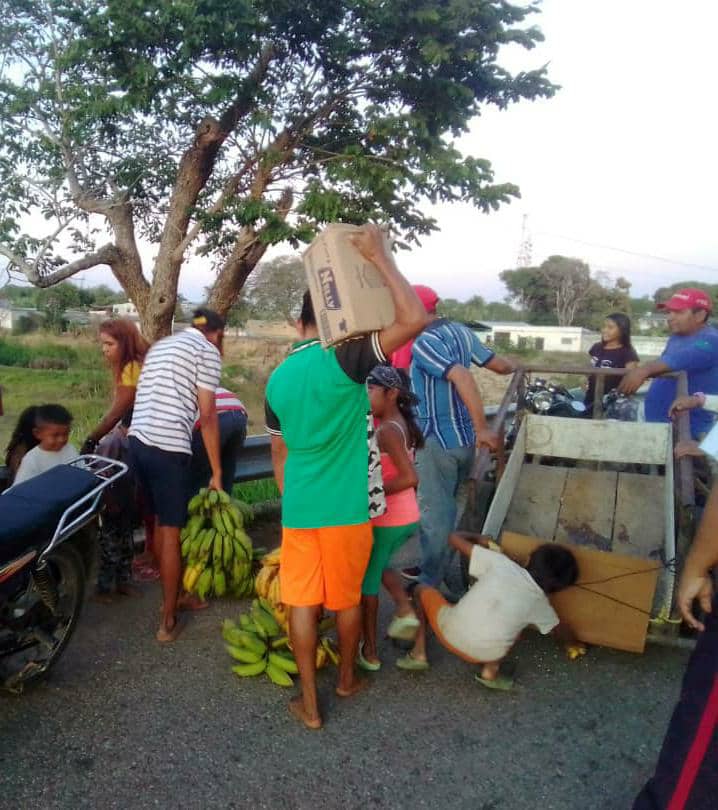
{"type": "Point", "coordinates": [451, 416]}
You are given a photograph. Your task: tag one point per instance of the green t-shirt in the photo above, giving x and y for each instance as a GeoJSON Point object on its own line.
{"type": "Point", "coordinates": [317, 401]}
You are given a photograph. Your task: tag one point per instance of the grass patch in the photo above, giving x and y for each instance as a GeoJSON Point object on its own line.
{"type": "Point", "coordinates": [256, 491]}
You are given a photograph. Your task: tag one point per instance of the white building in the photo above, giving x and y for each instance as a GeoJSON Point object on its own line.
{"type": "Point", "coordinates": [125, 310]}
{"type": "Point", "coordinates": [543, 338]}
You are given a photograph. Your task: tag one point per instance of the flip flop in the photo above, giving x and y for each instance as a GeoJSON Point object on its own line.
{"type": "Point", "coordinates": [403, 628]}
{"type": "Point", "coordinates": [411, 664]}
{"type": "Point", "coordinates": [367, 666]}
{"type": "Point", "coordinates": [501, 683]}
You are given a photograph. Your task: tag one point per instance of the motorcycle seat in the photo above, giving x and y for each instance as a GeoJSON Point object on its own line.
{"type": "Point", "coordinates": [30, 512]}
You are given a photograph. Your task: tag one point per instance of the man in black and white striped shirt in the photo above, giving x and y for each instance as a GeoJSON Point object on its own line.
{"type": "Point", "coordinates": [179, 378]}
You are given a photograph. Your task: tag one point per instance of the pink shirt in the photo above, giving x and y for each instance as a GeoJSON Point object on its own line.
{"type": "Point", "coordinates": [402, 507]}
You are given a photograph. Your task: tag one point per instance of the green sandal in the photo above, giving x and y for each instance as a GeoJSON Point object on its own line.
{"type": "Point", "coordinates": [501, 682]}
{"type": "Point", "coordinates": [367, 666]}
{"type": "Point", "coordinates": [411, 664]}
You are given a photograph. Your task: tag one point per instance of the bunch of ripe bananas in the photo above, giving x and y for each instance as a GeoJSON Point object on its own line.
{"type": "Point", "coordinates": [266, 585]}
{"type": "Point", "coordinates": [259, 645]}
{"type": "Point", "coordinates": [217, 551]}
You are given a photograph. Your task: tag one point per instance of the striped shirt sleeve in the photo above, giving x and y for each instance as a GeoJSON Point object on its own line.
{"type": "Point", "coordinates": [480, 354]}
{"type": "Point", "coordinates": [209, 370]}
{"type": "Point", "coordinates": [432, 355]}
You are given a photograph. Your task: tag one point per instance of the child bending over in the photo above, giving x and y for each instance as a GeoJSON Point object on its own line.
{"type": "Point", "coordinates": [52, 431]}
{"type": "Point", "coordinates": [506, 598]}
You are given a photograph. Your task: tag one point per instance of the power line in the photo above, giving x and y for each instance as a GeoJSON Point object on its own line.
{"type": "Point", "coordinates": [630, 252]}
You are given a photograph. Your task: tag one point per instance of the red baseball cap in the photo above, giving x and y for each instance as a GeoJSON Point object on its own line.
{"type": "Point", "coordinates": [690, 298]}
{"type": "Point", "coordinates": [429, 298]}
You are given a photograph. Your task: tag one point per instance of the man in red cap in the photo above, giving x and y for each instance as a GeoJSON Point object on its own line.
{"type": "Point", "coordinates": [693, 348]}
{"type": "Point", "coordinates": [401, 358]}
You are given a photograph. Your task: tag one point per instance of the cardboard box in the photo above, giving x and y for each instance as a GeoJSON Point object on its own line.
{"type": "Point", "coordinates": [348, 293]}
{"type": "Point", "coordinates": [611, 602]}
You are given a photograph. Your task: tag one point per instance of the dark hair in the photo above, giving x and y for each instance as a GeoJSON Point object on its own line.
{"type": "Point", "coordinates": [22, 435]}
{"type": "Point", "coordinates": [405, 403]}
{"type": "Point", "coordinates": [623, 322]}
{"type": "Point", "coordinates": [52, 415]}
{"type": "Point", "coordinates": [306, 316]}
{"type": "Point", "coordinates": [552, 567]}
{"type": "Point", "coordinates": [207, 320]}
{"type": "Point", "coordinates": [133, 347]}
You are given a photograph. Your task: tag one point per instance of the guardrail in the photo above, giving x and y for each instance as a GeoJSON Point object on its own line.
{"type": "Point", "coordinates": [255, 461]}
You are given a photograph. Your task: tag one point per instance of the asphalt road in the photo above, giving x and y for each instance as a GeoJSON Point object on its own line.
{"type": "Point", "coordinates": [125, 723]}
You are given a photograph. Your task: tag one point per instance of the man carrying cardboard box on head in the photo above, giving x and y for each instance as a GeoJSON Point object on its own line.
{"type": "Point", "coordinates": [317, 408]}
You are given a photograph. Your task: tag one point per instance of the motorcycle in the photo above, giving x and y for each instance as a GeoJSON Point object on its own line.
{"type": "Point", "coordinates": [45, 554]}
{"type": "Point", "coordinates": [552, 399]}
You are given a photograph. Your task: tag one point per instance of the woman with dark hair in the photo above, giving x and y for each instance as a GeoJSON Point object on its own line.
{"type": "Point", "coordinates": [615, 350]}
{"type": "Point", "coordinates": [124, 350]}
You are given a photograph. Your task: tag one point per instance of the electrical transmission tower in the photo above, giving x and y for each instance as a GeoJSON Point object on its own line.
{"type": "Point", "coordinates": [525, 256]}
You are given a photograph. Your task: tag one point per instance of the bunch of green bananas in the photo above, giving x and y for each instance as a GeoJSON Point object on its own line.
{"type": "Point", "coordinates": [217, 551]}
{"type": "Point", "coordinates": [259, 645]}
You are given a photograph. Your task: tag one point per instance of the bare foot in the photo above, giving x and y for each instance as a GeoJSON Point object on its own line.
{"type": "Point", "coordinates": [490, 672]}
{"type": "Point", "coordinates": [102, 598]}
{"type": "Point", "coordinates": [358, 684]}
{"type": "Point", "coordinates": [297, 710]}
{"type": "Point", "coordinates": [167, 635]}
{"type": "Point", "coordinates": [128, 590]}
{"type": "Point", "coordinates": [188, 601]}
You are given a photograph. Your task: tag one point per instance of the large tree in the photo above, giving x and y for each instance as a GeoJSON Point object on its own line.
{"type": "Point", "coordinates": [562, 291]}
{"type": "Point", "coordinates": [220, 127]}
{"type": "Point", "coordinates": [275, 289]}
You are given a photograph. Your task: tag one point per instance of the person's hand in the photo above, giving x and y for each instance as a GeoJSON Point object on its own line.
{"type": "Point", "coordinates": [487, 438]}
{"type": "Point", "coordinates": [215, 482]}
{"type": "Point", "coordinates": [632, 381]}
{"type": "Point", "coordinates": [370, 243]}
{"type": "Point", "coordinates": [683, 404]}
{"type": "Point", "coordinates": [688, 448]}
{"type": "Point", "coordinates": [88, 447]}
{"type": "Point", "coordinates": [694, 585]}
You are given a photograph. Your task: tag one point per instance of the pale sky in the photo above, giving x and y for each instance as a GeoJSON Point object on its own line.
{"type": "Point", "coordinates": [623, 156]}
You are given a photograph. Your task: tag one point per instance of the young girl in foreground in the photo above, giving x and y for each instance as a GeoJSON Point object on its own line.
{"type": "Point", "coordinates": [398, 436]}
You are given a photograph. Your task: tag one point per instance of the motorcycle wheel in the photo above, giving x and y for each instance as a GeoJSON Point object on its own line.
{"type": "Point", "coordinates": [68, 573]}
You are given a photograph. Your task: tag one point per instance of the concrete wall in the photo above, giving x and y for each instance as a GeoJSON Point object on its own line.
{"type": "Point", "coordinates": [549, 338]}
{"type": "Point", "coordinates": [649, 346]}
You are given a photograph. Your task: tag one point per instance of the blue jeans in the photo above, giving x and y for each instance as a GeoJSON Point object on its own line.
{"type": "Point", "coordinates": [232, 433]}
{"type": "Point", "coordinates": [441, 473]}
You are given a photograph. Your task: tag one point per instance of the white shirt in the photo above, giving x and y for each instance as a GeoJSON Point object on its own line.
{"type": "Point", "coordinates": [38, 461]}
{"type": "Point", "coordinates": [166, 401]}
{"type": "Point", "coordinates": [505, 599]}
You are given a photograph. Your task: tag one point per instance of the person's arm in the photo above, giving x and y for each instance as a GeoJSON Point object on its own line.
{"type": "Point", "coordinates": [635, 378]}
{"type": "Point", "coordinates": [409, 314]}
{"type": "Point", "coordinates": [500, 365]}
{"type": "Point", "coordinates": [468, 390]}
{"type": "Point", "coordinates": [123, 400]}
{"type": "Point", "coordinates": [279, 459]}
{"type": "Point", "coordinates": [209, 425]}
{"type": "Point", "coordinates": [464, 542]}
{"type": "Point", "coordinates": [391, 441]}
{"type": "Point", "coordinates": [695, 581]}
{"type": "Point", "coordinates": [687, 403]}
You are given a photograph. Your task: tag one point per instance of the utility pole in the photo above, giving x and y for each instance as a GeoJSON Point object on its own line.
{"type": "Point", "coordinates": [525, 257]}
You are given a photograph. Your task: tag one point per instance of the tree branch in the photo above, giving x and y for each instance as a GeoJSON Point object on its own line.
{"type": "Point", "coordinates": [39, 273]}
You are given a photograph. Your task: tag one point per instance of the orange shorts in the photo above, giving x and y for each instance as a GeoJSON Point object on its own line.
{"type": "Point", "coordinates": [324, 566]}
{"type": "Point", "coordinates": [432, 601]}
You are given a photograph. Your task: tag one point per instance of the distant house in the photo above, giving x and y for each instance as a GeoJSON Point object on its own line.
{"type": "Point", "coordinates": [125, 310]}
{"type": "Point", "coordinates": [652, 320]}
{"type": "Point", "coordinates": [11, 317]}
{"type": "Point", "coordinates": [543, 338]}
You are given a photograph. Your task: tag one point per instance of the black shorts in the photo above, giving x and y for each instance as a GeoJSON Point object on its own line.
{"type": "Point", "coordinates": [164, 478]}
